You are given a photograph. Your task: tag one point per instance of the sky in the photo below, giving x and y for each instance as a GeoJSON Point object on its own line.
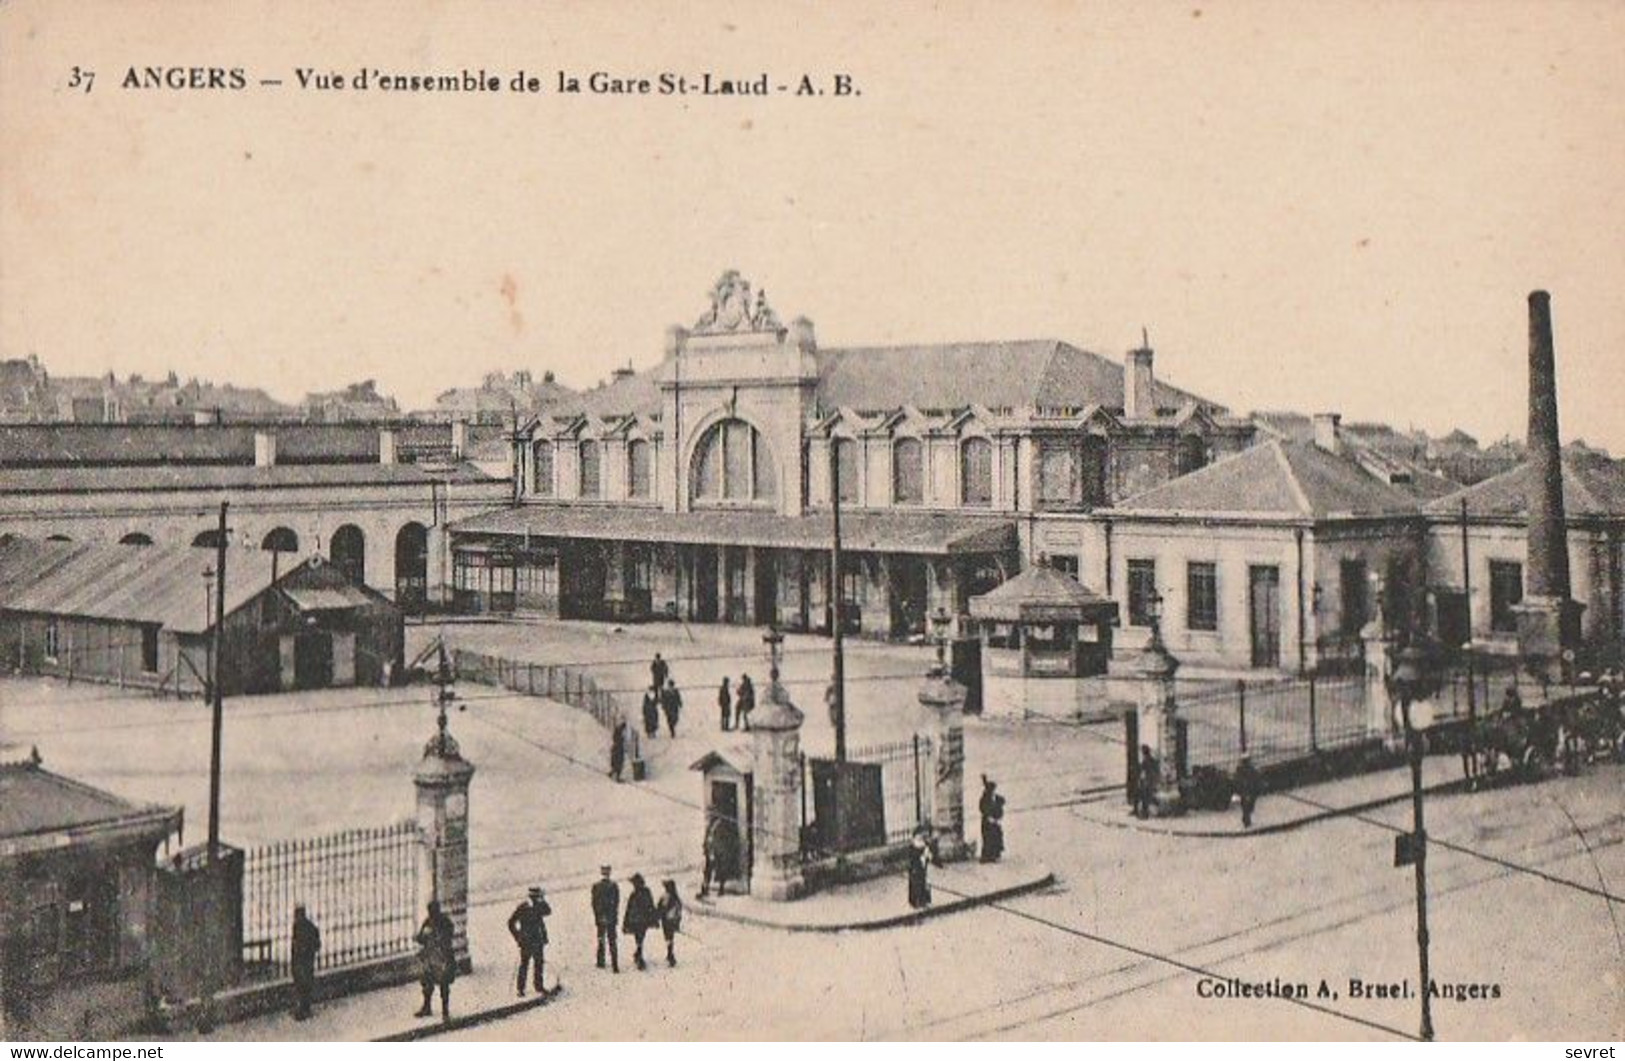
{"type": "Point", "coordinates": [1316, 206]}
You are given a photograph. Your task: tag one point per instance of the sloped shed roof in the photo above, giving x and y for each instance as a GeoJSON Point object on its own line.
{"type": "Point", "coordinates": [1041, 593]}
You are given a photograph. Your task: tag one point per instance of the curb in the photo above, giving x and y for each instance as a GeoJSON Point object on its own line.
{"type": "Point", "coordinates": [1441, 788]}
{"type": "Point", "coordinates": [894, 921]}
{"type": "Point", "coordinates": [471, 1020]}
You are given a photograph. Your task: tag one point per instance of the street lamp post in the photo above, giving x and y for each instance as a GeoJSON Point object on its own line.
{"type": "Point", "coordinates": [940, 620]}
{"type": "Point", "coordinates": [1417, 717]}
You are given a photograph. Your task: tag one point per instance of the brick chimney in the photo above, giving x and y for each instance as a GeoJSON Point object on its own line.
{"type": "Point", "coordinates": [1328, 433]}
{"type": "Point", "coordinates": [264, 449]}
{"type": "Point", "coordinates": [1548, 620]}
{"type": "Point", "coordinates": [388, 451]}
{"type": "Point", "coordinates": [1139, 384]}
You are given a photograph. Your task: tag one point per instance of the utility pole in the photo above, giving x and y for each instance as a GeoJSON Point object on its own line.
{"type": "Point", "coordinates": [215, 697]}
{"type": "Point", "coordinates": [838, 706]}
{"type": "Point", "coordinates": [1467, 649]}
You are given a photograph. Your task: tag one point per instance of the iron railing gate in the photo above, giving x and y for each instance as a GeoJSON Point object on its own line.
{"type": "Point", "coordinates": [360, 886]}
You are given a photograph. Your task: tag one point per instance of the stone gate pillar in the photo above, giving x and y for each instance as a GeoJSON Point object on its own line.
{"type": "Point", "coordinates": [775, 826]}
{"type": "Point", "coordinates": [1153, 670]}
{"type": "Point", "coordinates": [944, 703]}
{"type": "Point", "coordinates": [442, 779]}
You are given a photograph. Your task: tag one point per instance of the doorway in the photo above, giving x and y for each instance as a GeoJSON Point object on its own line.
{"type": "Point", "coordinates": [1264, 610]}
{"type": "Point", "coordinates": [909, 589]}
{"type": "Point", "coordinates": [702, 581]}
{"type": "Point", "coordinates": [766, 587]}
{"type": "Point", "coordinates": [312, 660]}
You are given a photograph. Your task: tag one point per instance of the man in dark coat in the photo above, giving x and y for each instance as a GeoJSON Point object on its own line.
{"type": "Point", "coordinates": [307, 940]}
{"type": "Point", "coordinates": [745, 701]}
{"type": "Point", "coordinates": [640, 916]}
{"type": "Point", "coordinates": [671, 702]}
{"type": "Point", "coordinates": [617, 750]}
{"type": "Point", "coordinates": [725, 703]}
{"type": "Point", "coordinates": [992, 809]}
{"type": "Point", "coordinates": [669, 912]}
{"type": "Point", "coordinates": [1145, 788]}
{"type": "Point", "coordinates": [528, 926]}
{"type": "Point", "coordinates": [651, 711]}
{"type": "Point", "coordinates": [721, 854]}
{"type": "Point", "coordinates": [606, 910]}
{"type": "Point", "coordinates": [1248, 786]}
{"type": "Point", "coordinates": [658, 672]}
{"type": "Point", "coordinates": [437, 958]}
{"type": "Point", "coordinates": [920, 856]}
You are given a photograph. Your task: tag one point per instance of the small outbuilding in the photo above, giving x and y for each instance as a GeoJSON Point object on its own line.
{"type": "Point", "coordinates": [726, 774]}
{"type": "Point", "coordinates": [78, 901]}
{"type": "Point", "coordinates": [143, 615]}
{"type": "Point", "coordinates": [1043, 633]}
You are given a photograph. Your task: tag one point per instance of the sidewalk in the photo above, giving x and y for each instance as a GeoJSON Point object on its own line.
{"type": "Point", "coordinates": [881, 902]}
{"type": "Point", "coordinates": [1288, 809]}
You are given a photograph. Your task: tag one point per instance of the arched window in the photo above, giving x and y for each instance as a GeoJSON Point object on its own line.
{"type": "Point", "coordinates": [209, 539]}
{"type": "Point", "coordinates": [639, 481]}
{"type": "Point", "coordinates": [589, 481]}
{"type": "Point", "coordinates": [281, 540]}
{"type": "Point", "coordinates": [411, 565]}
{"type": "Point", "coordinates": [908, 472]}
{"type": "Point", "coordinates": [732, 463]}
{"type": "Point", "coordinates": [541, 469]}
{"type": "Point", "coordinates": [135, 538]}
{"type": "Point", "coordinates": [349, 552]}
{"type": "Point", "coordinates": [976, 473]}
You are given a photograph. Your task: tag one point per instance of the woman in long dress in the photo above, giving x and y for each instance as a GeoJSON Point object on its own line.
{"type": "Point", "coordinates": [920, 856]}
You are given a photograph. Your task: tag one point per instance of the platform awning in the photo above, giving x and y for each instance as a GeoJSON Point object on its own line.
{"type": "Point", "coordinates": [926, 533]}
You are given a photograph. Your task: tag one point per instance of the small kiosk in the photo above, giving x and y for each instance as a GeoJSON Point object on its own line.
{"type": "Point", "coordinates": [1043, 635]}
{"type": "Point", "coordinates": [727, 776]}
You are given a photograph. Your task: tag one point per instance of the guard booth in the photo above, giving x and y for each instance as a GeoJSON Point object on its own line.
{"type": "Point", "coordinates": [726, 776]}
{"type": "Point", "coordinates": [1043, 634]}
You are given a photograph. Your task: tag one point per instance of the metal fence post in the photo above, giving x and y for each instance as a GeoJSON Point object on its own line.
{"type": "Point", "coordinates": [1241, 712]}
{"type": "Point", "coordinates": [1314, 744]}
{"type": "Point", "coordinates": [919, 811]}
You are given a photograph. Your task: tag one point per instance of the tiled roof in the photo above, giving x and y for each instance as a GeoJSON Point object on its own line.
{"type": "Point", "coordinates": [1277, 479]}
{"type": "Point", "coordinates": [1039, 591]}
{"type": "Point", "coordinates": [626, 395]}
{"type": "Point", "coordinates": [1041, 372]}
{"type": "Point", "coordinates": [34, 801]}
{"type": "Point", "coordinates": [1592, 487]}
{"type": "Point", "coordinates": [905, 532]}
{"type": "Point", "coordinates": [229, 477]}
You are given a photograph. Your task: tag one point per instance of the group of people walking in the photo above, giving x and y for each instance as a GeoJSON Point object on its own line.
{"type": "Point", "coordinates": [643, 914]}
{"type": "Point", "coordinates": [661, 697]}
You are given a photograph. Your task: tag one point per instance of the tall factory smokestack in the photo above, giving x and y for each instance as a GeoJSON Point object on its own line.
{"type": "Point", "coordinates": [1549, 619]}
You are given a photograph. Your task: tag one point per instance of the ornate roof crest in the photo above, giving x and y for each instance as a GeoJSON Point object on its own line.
{"type": "Point", "coordinates": [732, 309]}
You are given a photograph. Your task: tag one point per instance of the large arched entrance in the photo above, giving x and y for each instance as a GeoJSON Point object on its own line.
{"type": "Point", "coordinates": [412, 566]}
{"type": "Point", "coordinates": [348, 551]}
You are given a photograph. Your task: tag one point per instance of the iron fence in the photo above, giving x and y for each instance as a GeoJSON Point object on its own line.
{"type": "Point", "coordinates": [567, 685]}
{"type": "Point", "coordinates": [906, 783]}
{"type": "Point", "coordinates": [1272, 722]}
{"type": "Point", "coordinates": [359, 886]}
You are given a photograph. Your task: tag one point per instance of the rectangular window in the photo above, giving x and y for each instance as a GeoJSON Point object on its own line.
{"type": "Point", "coordinates": [1058, 483]}
{"type": "Point", "coordinates": [1201, 596]}
{"type": "Point", "coordinates": [1351, 575]}
{"type": "Point", "coordinates": [976, 473]}
{"type": "Point", "coordinates": [846, 469]}
{"type": "Point", "coordinates": [1064, 562]}
{"type": "Point", "coordinates": [149, 649]}
{"type": "Point", "coordinates": [1506, 593]}
{"type": "Point", "coordinates": [53, 640]}
{"type": "Point", "coordinates": [542, 469]}
{"type": "Point", "coordinates": [1142, 586]}
{"type": "Point", "coordinates": [1093, 472]}
{"type": "Point", "coordinates": [908, 471]}
{"type": "Point", "coordinates": [637, 469]}
{"type": "Point", "coordinates": [589, 469]}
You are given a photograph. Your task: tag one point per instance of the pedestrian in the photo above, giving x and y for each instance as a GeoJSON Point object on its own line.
{"type": "Point", "coordinates": [437, 961]}
{"type": "Point", "coordinates": [640, 916]}
{"type": "Point", "coordinates": [528, 927]}
{"type": "Point", "coordinates": [1248, 786]}
{"type": "Point", "coordinates": [606, 909]}
{"type": "Point", "coordinates": [651, 711]}
{"type": "Point", "coordinates": [658, 672]}
{"type": "Point", "coordinates": [671, 702]}
{"type": "Point", "coordinates": [307, 941]}
{"type": "Point", "coordinates": [992, 809]}
{"type": "Point", "coordinates": [725, 702]}
{"type": "Point", "coordinates": [617, 749]}
{"type": "Point", "coordinates": [1145, 786]}
{"type": "Point", "coordinates": [669, 912]}
{"type": "Point", "coordinates": [920, 856]}
{"type": "Point", "coordinates": [745, 701]}
{"type": "Point", "coordinates": [721, 853]}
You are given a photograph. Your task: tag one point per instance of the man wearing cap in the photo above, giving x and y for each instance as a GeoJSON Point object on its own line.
{"type": "Point", "coordinates": [606, 909]}
{"type": "Point", "coordinates": [528, 926]}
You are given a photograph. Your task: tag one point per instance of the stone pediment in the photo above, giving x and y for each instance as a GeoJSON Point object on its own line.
{"type": "Point", "coordinates": [734, 311]}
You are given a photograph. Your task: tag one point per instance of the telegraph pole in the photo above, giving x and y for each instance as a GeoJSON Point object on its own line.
{"type": "Point", "coordinates": [1467, 592]}
{"type": "Point", "coordinates": [217, 701]}
{"type": "Point", "coordinates": [838, 706]}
